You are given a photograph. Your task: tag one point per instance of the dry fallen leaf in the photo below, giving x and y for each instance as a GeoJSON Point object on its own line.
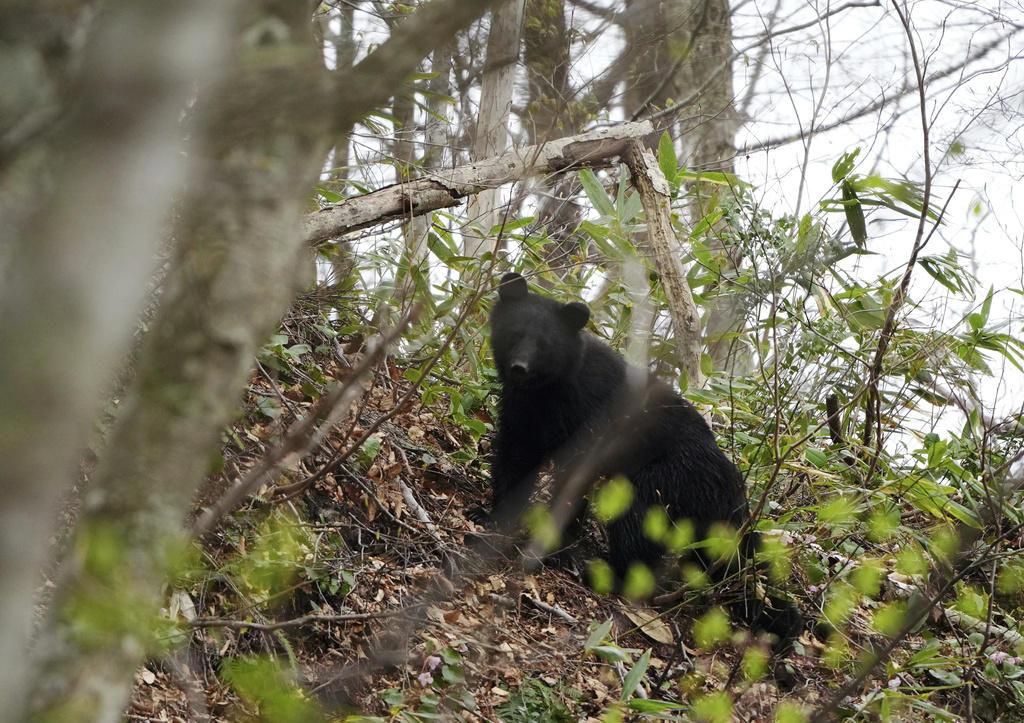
{"type": "Point", "coordinates": [650, 624]}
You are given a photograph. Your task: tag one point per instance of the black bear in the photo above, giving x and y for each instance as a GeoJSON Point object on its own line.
{"type": "Point", "coordinates": [563, 394]}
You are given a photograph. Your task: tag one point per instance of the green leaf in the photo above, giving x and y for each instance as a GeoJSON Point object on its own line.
{"type": "Point", "coordinates": [517, 223]}
{"type": "Point", "coordinates": [712, 628]}
{"type": "Point", "coordinates": [441, 247]}
{"type": "Point", "coordinates": [790, 711]}
{"type": "Point", "coordinates": [450, 655]}
{"type": "Point", "coordinates": [453, 674]}
{"type": "Point", "coordinates": [854, 214]}
{"type": "Point", "coordinates": [595, 231]}
{"type": "Point", "coordinates": [601, 576]}
{"type": "Point", "coordinates": [844, 165]}
{"type": "Point", "coordinates": [719, 179]}
{"type": "Point", "coordinates": [611, 653]}
{"type": "Point", "coordinates": [936, 452]}
{"type": "Point", "coordinates": [986, 307]}
{"type": "Point", "coordinates": [329, 196]}
{"type": "Point", "coordinates": [816, 457]}
{"type": "Point", "coordinates": [705, 224]}
{"type": "Point", "coordinates": [629, 208]}
{"type": "Point", "coordinates": [634, 676]}
{"type": "Point", "coordinates": [612, 499]}
{"type": "Point", "coordinates": [643, 705]}
{"type": "Point", "coordinates": [948, 272]}
{"type": "Point", "coordinates": [714, 707]}
{"type": "Point", "coordinates": [596, 193]}
{"type": "Point", "coordinates": [667, 157]}
{"type": "Point", "coordinates": [803, 234]}
{"type": "Point", "coordinates": [599, 635]}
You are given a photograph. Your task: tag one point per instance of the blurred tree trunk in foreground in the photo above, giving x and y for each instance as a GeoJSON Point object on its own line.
{"type": "Point", "coordinates": [74, 283]}
{"type": "Point", "coordinates": [236, 266]}
{"type": "Point", "coordinates": [90, 151]}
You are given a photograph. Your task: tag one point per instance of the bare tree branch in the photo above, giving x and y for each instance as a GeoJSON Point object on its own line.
{"type": "Point", "coordinates": [444, 190]}
{"type": "Point", "coordinates": [650, 183]}
{"type": "Point", "coordinates": [372, 81]}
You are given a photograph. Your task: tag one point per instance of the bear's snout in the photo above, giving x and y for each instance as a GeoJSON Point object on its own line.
{"type": "Point", "coordinates": [518, 370]}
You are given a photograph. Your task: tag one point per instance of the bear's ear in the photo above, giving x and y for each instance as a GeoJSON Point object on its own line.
{"type": "Point", "coordinates": [575, 314]}
{"type": "Point", "coordinates": [513, 286]}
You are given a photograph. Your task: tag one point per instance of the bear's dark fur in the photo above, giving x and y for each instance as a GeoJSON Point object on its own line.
{"type": "Point", "coordinates": [562, 390]}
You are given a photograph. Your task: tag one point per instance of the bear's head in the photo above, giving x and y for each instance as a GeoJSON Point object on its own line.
{"type": "Point", "coordinates": [536, 340]}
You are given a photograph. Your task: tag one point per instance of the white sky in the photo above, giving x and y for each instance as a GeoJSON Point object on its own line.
{"type": "Point", "coordinates": [821, 73]}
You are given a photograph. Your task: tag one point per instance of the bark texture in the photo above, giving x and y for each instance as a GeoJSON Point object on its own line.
{"type": "Point", "coordinates": [492, 123]}
{"type": "Point", "coordinates": [449, 188]}
{"type": "Point", "coordinates": [682, 54]}
{"type": "Point", "coordinates": [653, 188]}
{"type": "Point", "coordinates": [236, 267]}
{"type": "Point", "coordinates": [239, 259]}
{"type": "Point", "coordinates": [92, 173]}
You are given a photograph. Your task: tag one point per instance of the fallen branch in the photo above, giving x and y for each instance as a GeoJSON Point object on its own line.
{"type": "Point", "coordinates": [650, 183]}
{"type": "Point", "coordinates": [415, 506]}
{"type": "Point", "coordinates": [444, 190]}
{"type": "Point", "coordinates": [549, 609]}
{"type": "Point", "coordinates": [971, 624]}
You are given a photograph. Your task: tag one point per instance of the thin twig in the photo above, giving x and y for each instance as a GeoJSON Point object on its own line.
{"type": "Point", "coordinates": [303, 435]}
{"type": "Point", "coordinates": [293, 490]}
{"type": "Point", "coordinates": [296, 622]}
{"type": "Point", "coordinates": [873, 404]}
{"type": "Point", "coordinates": [417, 508]}
{"type": "Point", "coordinates": [549, 609]}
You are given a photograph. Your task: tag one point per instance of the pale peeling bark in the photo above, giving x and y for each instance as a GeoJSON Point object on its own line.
{"type": "Point", "coordinates": [75, 273]}
{"type": "Point", "coordinates": [444, 190]}
{"type": "Point", "coordinates": [665, 254]}
{"type": "Point", "coordinates": [492, 123]}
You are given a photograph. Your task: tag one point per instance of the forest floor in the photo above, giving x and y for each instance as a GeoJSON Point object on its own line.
{"type": "Point", "coordinates": [363, 593]}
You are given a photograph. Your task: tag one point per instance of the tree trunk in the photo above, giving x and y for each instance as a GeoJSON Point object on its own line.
{"type": "Point", "coordinates": [236, 267]}
{"type": "Point", "coordinates": [436, 139]}
{"type": "Point", "coordinates": [75, 272]}
{"type": "Point", "coordinates": [682, 48]}
{"type": "Point", "coordinates": [492, 123]}
{"type": "Point", "coordinates": [238, 261]}
{"type": "Point", "coordinates": [552, 112]}
{"type": "Point", "coordinates": [344, 44]}
{"type": "Point", "coordinates": [708, 131]}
